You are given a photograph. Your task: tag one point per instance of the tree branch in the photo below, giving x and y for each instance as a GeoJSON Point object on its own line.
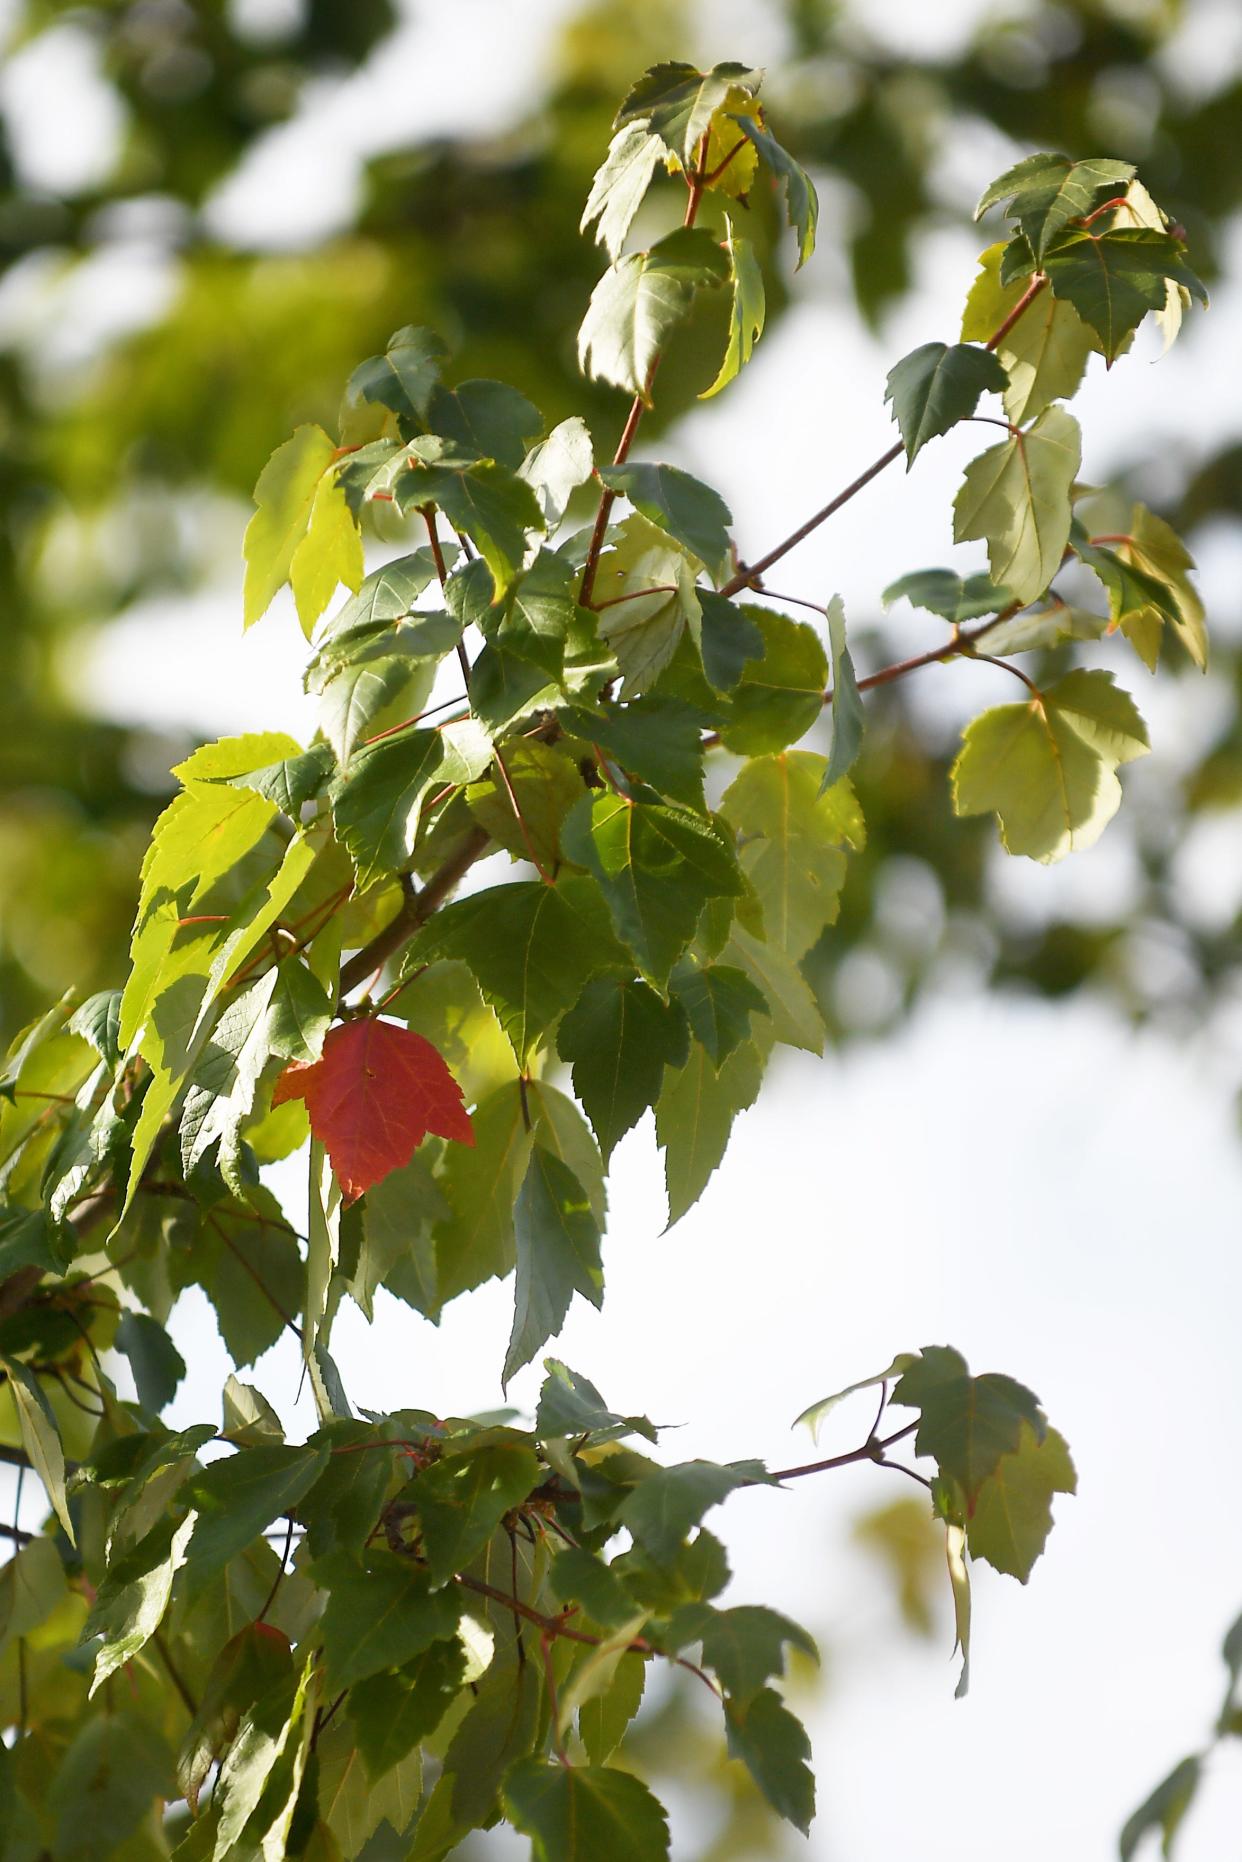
{"type": "Point", "coordinates": [415, 911]}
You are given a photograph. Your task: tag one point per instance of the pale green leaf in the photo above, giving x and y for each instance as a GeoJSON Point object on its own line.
{"type": "Point", "coordinates": [746, 315]}
{"type": "Point", "coordinates": [639, 302]}
{"type": "Point", "coordinates": [1016, 497]}
{"type": "Point", "coordinates": [284, 498]}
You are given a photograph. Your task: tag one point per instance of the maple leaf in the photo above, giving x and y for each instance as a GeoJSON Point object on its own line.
{"type": "Point", "coordinates": [373, 1097]}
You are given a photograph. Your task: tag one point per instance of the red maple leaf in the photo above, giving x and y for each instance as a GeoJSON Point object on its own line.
{"type": "Point", "coordinates": [373, 1097]}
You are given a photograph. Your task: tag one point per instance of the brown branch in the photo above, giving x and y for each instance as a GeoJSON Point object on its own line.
{"type": "Point", "coordinates": [871, 1450]}
{"type": "Point", "coordinates": [187, 1699]}
{"type": "Point", "coordinates": [520, 818]}
{"type": "Point", "coordinates": [748, 576]}
{"type": "Point", "coordinates": [416, 909]}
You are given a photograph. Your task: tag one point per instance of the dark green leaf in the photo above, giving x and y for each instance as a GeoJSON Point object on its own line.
{"type": "Point", "coordinates": [718, 1001]}
{"type": "Point", "coordinates": [657, 867]}
{"type": "Point", "coordinates": [745, 1646]}
{"type": "Point", "coordinates": [377, 801]}
{"type": "Point", "coordinates": [250, 1665]}
{"type": "Point", "coordinates": [487, 418]}
{"type": "Point", "coordinates": [558, 1238]}
{"type": "Point", "coordinates": [461, 1499]}
{"type": "Point", "coordinates": [934, 387]}
{"type": "Point", "coordinates": [683, 506]}
{"type": "Point", "coordinates": [292, 782]}
{"type": "Point", "coordinates": [1113, 279]}
{"type": "Point", "coordinates": [489, 502]}
{"type": "Point", "coordinates": [392, 1713]}
{"type": "Point", "coordinates": [380, 1617]}
{"type": "Point", "coordinates": [1046, 192]}
{"type": "Point", "coordinates": [942, 591]}
{"type": "Point", "coordinates": [639, 302]}
{"type": "Point", "coordinates": [570, 1405]}
{"type": "Point", "coordinates": [729, 639]}
{"type": "Point", "coordinates": [115, 1766]}
{"type": "Point", "coordinates": [773, 1746]}
{"type": "Point", "coordinates": [530, 947]}
{"type": "Point", "coordinates": [620, 1036]}
{"type": "Point", "coordinates": [299, 1013]}
{"type": "Point", "coordinates": [966, 1423]}
{"type": "Point", "coordinates": [29, 1238]}
{"type": "Point", "coordinates": [585, 1813]}
{"type": "Point", "coordinates": [656, 739]}
{"type": "Point", "coordinates": [404, 377]}
{"type": "Point", "coordinates": [602, 1720]}
{"type": "Point", "coordinates": [848, 717]}
{"type": "Point", "coordinates": [801, 200]}
{"type": "Point", "coordinates": [676, 102]}
{"type": "Point", "coordinates": [505, 687]}
{"type": "Point", "coordinates": [695, 1114]}
{"type": "Point", "coordinates": [237, 1496]}
{"type": "Point", "coordinates": [157, 1365]}
{"type": "Point", "coordinates": [668, 1503]}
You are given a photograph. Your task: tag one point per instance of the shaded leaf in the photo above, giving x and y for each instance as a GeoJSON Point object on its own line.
{"type": "Point", "coordinates": [773, 1746]}
{"type": "Point", "coordinates": [619, 1037]}
{"type": "Point", "coordinates": [801, 200]}
{"type": "Point", "coordinates": [489, 502]}
{"type": "Point", "coordinates": [780, 694]}
{"type": "Point", "coordinates": [461, 1499]}
{"type": "Point", "coordinates": [1114, 278]}
{"type": "Point", "coordinates": [676, 102]}
{"type": "Point", "coordinates": [154, 1360]}
{"type": "Point", "coordinates": [669, 1502]}
{"type": "Point", "coordinates": [937, 385]}
{"type": "Point", "coordinates": [558, 1239]}
{"type": "Point", "coordinates": [130, 1602]}
{"type": "Point", "coordinates": [688, 510]}
{"type": "Point", "coordinates": [954, 597]}
{"type": "Point", "coordinates": [639, 302]}
{"type": "Point", "coordinates": [718, 1002]}
{"type": "Point", "coordinates": [380, 1617]}
{"type": "Point", "coordinates": [404, 376]}
{"type": "Point", "coordinates": [1164, 1810]}
{"type": "Point", "coordinates": [235, 1498]}
{"type": "Point", "coordinates": [1046, 192]}
{"type": "Point", "coordinates": [585, 1813]}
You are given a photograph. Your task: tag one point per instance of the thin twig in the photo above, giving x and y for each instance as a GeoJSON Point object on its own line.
{"type": "Point", "coordinates": [415, 911]}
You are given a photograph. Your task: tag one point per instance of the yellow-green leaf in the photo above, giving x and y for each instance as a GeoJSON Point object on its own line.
{"type": "Point", "coordinates": [285, 498]}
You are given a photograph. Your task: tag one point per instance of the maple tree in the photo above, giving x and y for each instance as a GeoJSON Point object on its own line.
{"type": "Point", "coordinates": [409, 1627]}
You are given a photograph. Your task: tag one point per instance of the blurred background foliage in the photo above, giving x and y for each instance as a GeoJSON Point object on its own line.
{"type": "Point", "coordinates": [127, 458]}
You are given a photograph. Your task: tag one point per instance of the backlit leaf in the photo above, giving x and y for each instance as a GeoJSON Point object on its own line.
{"type": "Point", "coordinates": [695, 1114]}
{"type": "Point", "coordinates": [329, 554]}
{"type": "Point", "coordinates": [557, 1255]}
{"type": "Point", "coordinates": [746, 315]}
{"type": "Point", "coordinates": [792, 836]}
{"type": "Point", "coordinates": [1114, 278]}
{"type": "Point", "coordinates": [373, 1097]}
{"type": "Point", "coordinates": [773, 1746]}
{"type": "Point", "coordinates": [620, 183]}
{"type": "Point", "coordinates": [585, 1813]}
{"type": "Point", "coordinates": [1046, 192]}
{"type": "Point", "coordinates": [639, 302]}
{"type": "Point", "coordinates": [284, 498]}
{"type": "Point", "coordinates": [676, 102]}
{"type": "Point", "coordinates": [1044, 353]}
{"type": "Point", "coordinates": [848, 717]}
{"type": "Point", "coordinates": [1016, 496]}
{"type": "Point", "coordinates": [1012, 1514]}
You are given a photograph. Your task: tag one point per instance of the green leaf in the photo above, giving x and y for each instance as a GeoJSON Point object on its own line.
{"type": "Point", "coordinates": [154, 1360]}
{"type": "Point", "coordinates": [688, 510]}
{"type": "Point", "coordinates": [1040, 629]}
{"type": "Point", "coordinates": [299, 1013]}
{"type": "Point", "coordinates": [32, 1586]}
{"type": "Point", "coordinates": [40, 1437]}
{"type": "Point", "coordinates": [115, 1766]}
{"type": "Point", "coordinates": [1113, 279]}
{"type": "Point", "coordinates": [461, 1499]}
{"type": "Point", "coordinates": [558, 1255]}
{"type": "Point", "coordinates": [235, 1498]}
{"type": "Point", "coordinates": [792, 835]}
{"type": "Point", "coordinates": [130, 1603]}
{"type": "Point", "coordinates": [329, 554]}
{"type": "Point", "coordinates": [536, 618]}
{"type": "Point", "coordinates": [487, 418]}
{"type": "Point", "coordinates": [378, 799]}
{"type": "Point", "coordinates": [781, 694]}
{"type": "Point", "coordinates": [392, 1713]}
{"type": "Point", "coordinates": [934, 387]}
{"type": "Point", "coordinates": [1048, 768]}
{"type": "Point", "coordinates": [570, 1405]}
{"type": "Point", "coordinates": [816, 1413]}
{"type": "Point", "coordinates": [477, 1242]}
{"type": "Point", "coordinates": [619, 1037]}
{"type": "Point", "coordinates": [247, 1262]}
{"type": "Point", "coordinates": [1164, 1810]}
{"type": "Point", "coordinates": [585, 1813]}
{"type": "Point", "coordinates": [718, 1002]}
{"type": "Point", "coordinates": [646, 595]}
{"type": "Point", "coordinates": [1016, 496]}
{"type": "Point", "coordinates": [546, 783]}
{"type": "Point", "coordinates": [354, 692]}
{"type": "Point", "coordinates": [729, 638]}
{"type": "Point", "coordinates": [1044, 353]}
{"type": "Point", "coordinates": [98, 1021]}
{"type": "Point", "coordinates": [290, 783]}
{"type": "Point", "coordinates": [284, 498]}
{"type": "Point", "coordinates": [658, 740]}
{"type": "Point", "coordinates": [774, 1748]}
{"type": "Point", "coordinates": [620, 183]}
{"type": "Point", "coordinates": [745, 1646]}
{"type": "Point", "coordinates": [676, 102]}
{"type": "Point", "coordinates": [966, 1423]}
{"type": "Point", "coordinates": [801, 200]}
{"type": "Point", "coordinates": [1046, 192]}
{"type": "Point", "coordinates": [249, 1418]}
{"type": "Point", "coordinates": [849, 720]}
{"type": "Point", "coordinates": [640, 301]}
{"type": "Point", "coordinates": [1012, 1515]}
{"type": "Point", "coordinates": [746, 314]}
{"type": "Point", "coordinates": [1155, 550]}
{"type": "Point", "coordinates": [669, 1502]}
{"type": "Point", "coordinates": [695, 1114]}
{"type": "Point", "coordinates": [224, 1081]}
{"type": "Point", "coordinates": [530, 947]}
{"type": "Point", "coordinates": [603, 1719]}
{"type": "Point", "coordinates": [501, 1727]}
{"type": "Point", "coordinates": [959, 1585]}
{"type": "Point", "coordinates": [953, 597]}
{"type": "Point", "coordinates": [380, 1617]}
{"type": "Point", "coordinates": [556, 467]}
{"type": "Point", "coordinates": [388, 594]}
{"type": "Point", "coordinates": [262, 1769]}
{"type": "Point", "coordinates": [403, 377]}
{"type": "Point", "coordinates": [489, 502]}
{"type": "Point", "coordinates": [657, 866]}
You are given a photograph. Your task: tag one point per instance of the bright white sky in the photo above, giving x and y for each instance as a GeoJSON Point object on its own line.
{"type": "Point", "coordinates": [1048, 1191]}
